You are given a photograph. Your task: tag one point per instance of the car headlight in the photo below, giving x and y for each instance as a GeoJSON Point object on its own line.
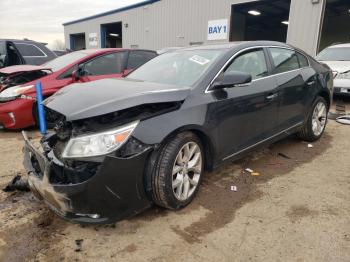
{"type": "Point", "coordinates": [100, 143]}
{"type": "Point", "coordinates": [14, 91]}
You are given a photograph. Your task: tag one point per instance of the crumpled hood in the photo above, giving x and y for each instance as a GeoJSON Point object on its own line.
{"type": "Point", "coordinates": [21, 68]}
{"type": "Point", "coordinates": [85, 100]}
{"type": "Point", "coordinates": [338, 66]}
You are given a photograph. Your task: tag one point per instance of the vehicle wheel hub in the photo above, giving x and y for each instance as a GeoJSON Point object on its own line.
{"type": "Point", "coordinates": [319, 118]}
{"type": "Point", "coordinates": [187, 171]}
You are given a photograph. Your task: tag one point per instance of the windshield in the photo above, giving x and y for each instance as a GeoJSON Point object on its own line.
{"type": "Point", "coordinates": [181, 68]}
{"type": "Point", "coordinates": [62, 61]}
{"type": "Point", "coordinates": [334, 54]}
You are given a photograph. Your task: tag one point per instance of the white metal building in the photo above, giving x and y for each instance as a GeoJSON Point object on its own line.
{"type": "Point", "coordinates": [155, 24]}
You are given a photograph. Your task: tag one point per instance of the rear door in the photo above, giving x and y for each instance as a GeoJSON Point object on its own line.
{"type": "Point", "coordinates": [292, 87]}
{"type": "Point", "coordinates": [111, 65]}
{"type": "Point", "coordinates": [247, 114]}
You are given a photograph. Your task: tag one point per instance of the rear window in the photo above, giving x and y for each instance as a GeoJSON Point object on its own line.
{"type": "Point", "coordinates": [29, 50]}
{"type": "Point", "coordinates": [302, 60]}
{"type": "Point", "coordinates": [284, 60]}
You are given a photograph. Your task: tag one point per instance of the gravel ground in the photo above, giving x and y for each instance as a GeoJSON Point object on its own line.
{"type": "Point", "coordinates": [298, 209]}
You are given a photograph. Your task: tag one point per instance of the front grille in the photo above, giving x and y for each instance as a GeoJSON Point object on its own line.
{"type": "Point", "coordinates": [80, 172]}
{"type": "Point", "coordinates": [62, 128]}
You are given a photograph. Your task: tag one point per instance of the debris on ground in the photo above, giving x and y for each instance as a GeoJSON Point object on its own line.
{"type": "Point", "coordinates": [17, 183]}
{"type": "Point", "coordinates": [284, 156]}
{"type": "Point", "coordinates": [234, 188]}
{"type": "Point", "coordinates": [78, 243]}
{"type": "Point", "coordinates": [249, 170]}
{"type": "Point", "coordinates": [310, 146]}
{"type": "Point", "coordinates": [340, 108]}
{"type": "Point", "coordinates": [345, 120]}
{"type": "Point", "coordinates": [255, 174]}
{"type": "Point", "coordinates": [334, 116]}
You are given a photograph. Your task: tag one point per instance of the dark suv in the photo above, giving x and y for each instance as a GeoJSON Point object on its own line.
{"type": "Point", "coordinates": [19, 52]}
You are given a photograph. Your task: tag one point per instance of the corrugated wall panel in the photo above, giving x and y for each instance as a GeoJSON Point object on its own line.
{"type": "Point", "coordinates": [161, 24]}
{"type": "Point", "coordinates": [304, 24]}
{"type": "Point", "coordinates": [178, 22]}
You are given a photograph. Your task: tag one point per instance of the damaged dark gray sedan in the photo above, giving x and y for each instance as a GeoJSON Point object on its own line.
{"type": "Point", "coordinates": [121, 145]}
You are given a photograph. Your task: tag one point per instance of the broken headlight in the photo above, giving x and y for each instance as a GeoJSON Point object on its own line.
{"type": "Point", "coordinates": [14, 92]}
{"type": "Point", "coordinates": [100, 143]}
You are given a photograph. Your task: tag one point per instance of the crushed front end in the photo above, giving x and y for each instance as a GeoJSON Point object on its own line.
{"type": "Point", "coordinates": [99, 189]}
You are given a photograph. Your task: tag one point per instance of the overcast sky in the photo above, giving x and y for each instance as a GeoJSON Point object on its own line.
{"type": "Point", "coordinates": [41, 20]}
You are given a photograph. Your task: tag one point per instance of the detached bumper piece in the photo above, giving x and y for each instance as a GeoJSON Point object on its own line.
{"type": "Point", "coordinates": [113, 192]}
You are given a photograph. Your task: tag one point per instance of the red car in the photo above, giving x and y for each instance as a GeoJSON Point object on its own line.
{"type": "Point", "coordinates": [17, 83]}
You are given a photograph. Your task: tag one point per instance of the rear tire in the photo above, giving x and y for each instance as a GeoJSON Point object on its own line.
{"type": "Point", "coordinates": [178, 171]}
{"type": "Point", "coordinates": [316, 123]}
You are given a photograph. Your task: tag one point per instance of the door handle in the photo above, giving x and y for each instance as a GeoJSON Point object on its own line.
{"type": "Point", "coordinates": [272, 96]}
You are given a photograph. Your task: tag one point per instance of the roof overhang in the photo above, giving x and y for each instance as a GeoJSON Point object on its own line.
{"type": "Point", "coordinates": [114, 11]}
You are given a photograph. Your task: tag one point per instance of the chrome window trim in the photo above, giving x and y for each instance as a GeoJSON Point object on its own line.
{"type": "Point", "coordinates": [207, 91]}
{"type": "Point", "coordinates": [262, 141]}
{"type": "Point", "coordinates": [44, 54]}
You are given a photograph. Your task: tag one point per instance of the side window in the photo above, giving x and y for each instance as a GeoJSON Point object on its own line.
{"type": "Point", "coordinates": [302, 60]}
{"type": "Point", "coordinates": [29, 50]}
{"type": "Point", "coordinates": [284, 60]}
{"type": "Point", "coordinates": [252, 62]}
{"type": "Point", "coordinates": [68, 73]}
{"type": "Point", "coordinates": [106, 64]}
{"type": "Point", "coordinates": [138, 58]}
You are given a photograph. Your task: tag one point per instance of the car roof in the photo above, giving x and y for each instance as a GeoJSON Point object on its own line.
{"type": "Point", "coordinates": [340, 45]}
{"type": "Point", "coordinates": [22, 41]}
{"type": "Point", "coordinates": [231, 45]}
{"type": "Point", "coordinates": [105, 50]}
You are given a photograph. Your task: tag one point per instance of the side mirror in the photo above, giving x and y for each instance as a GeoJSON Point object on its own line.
{"type": "Point", "coordinates": [231, 79]}
{"type": "Point", "coordinates": [127, 72]}
{"type": "Point", "coordinates": [76, 74]}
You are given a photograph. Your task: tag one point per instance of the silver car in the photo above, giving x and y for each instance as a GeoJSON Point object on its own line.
{"type": "Point", "coordinates": [337, 57]}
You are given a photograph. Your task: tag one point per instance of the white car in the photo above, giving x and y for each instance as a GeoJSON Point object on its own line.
{"type": "Point", "coordinates": [337, 57]}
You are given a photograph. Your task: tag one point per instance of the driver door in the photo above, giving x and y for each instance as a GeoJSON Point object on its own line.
{"type": "Point", "coordinates": [247, 114]}
{"type": "Point", "coordinates": [110, 65]}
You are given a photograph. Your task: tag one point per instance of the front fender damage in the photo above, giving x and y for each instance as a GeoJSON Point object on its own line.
{"type": "Point", "coordinates": [115, 190]}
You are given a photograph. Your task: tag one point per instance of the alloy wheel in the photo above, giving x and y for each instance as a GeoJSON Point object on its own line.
{"type": "Point", "coordinates": [186, 171]}
{"type": "Point", "coordinates": [319, 118]}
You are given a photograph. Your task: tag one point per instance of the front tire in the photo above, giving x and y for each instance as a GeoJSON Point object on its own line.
{"type": "Point", "coordinates": [178, 173]}
{"type": "Point", "coordinates": [316, 123]}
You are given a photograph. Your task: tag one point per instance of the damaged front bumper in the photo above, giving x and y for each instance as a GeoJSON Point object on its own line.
{"type": "Point", "coordinates": [115, 191]}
